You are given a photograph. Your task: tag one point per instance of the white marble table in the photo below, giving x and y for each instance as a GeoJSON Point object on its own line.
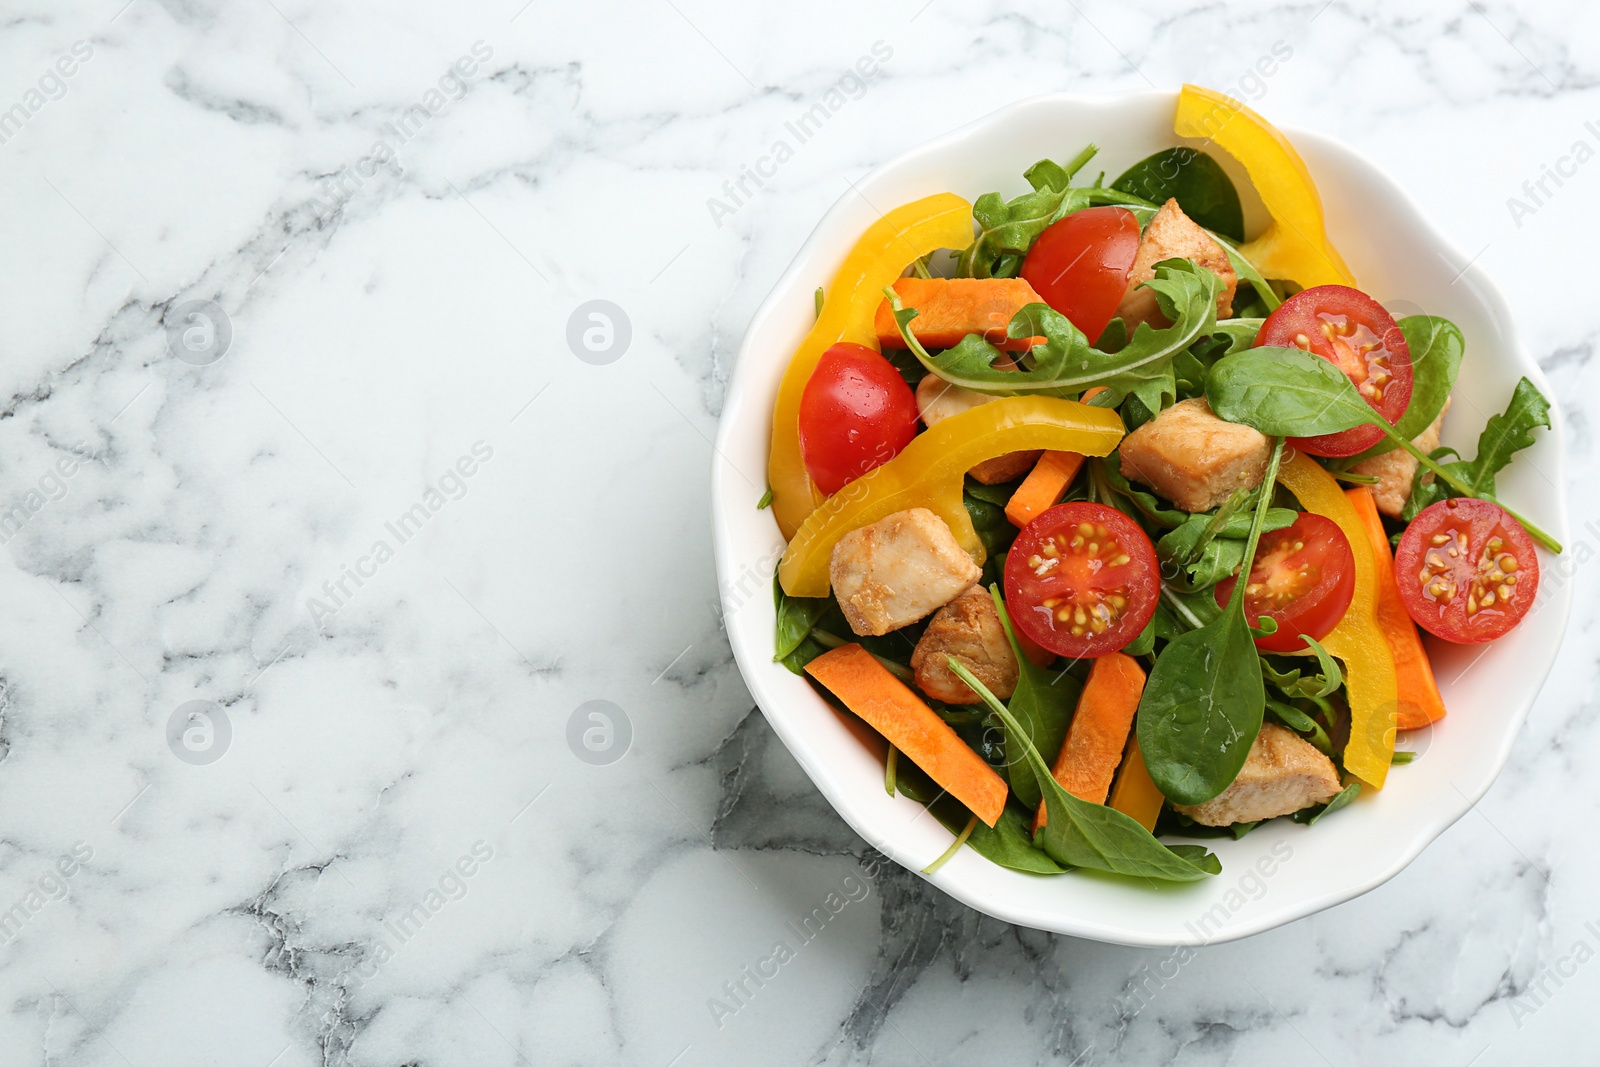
{"type": "Point", "coordinates": [393, 534]}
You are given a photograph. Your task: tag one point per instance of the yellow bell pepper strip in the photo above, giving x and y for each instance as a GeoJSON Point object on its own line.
{"type": "Point", "coordinates": [849, 307]}
{"type": "Point", "coordinates": [1295, 244]}
{"type": "Point", "coordinates": [928, 474]}
{"type": "Point", "coordinates": [1135, 794]}
{"type": "Point", "coordinates": [1358, 640]}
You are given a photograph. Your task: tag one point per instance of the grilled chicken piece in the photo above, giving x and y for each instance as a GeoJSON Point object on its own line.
{"type": "Point", "coordinates": [1193, 458]}
{"type": "Point", "coordinates": [1283, 774]}
{"type": "Point", "coordinates": [1396, 470]}
{"type": "Point", "coordinates": [1173, 235]}
{"type": "Point", "coordinates": [969, 629]}
{"type": "Point", "coordinates": [895, 571]}
{"type": "Point", "coordinates": [937, 400]}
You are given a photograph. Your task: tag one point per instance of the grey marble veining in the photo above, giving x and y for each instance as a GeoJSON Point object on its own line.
{"type": "Point", "coordinates": [394, 212]}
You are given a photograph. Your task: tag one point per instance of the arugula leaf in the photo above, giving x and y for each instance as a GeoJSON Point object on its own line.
{"type": "Point", "coordinates": [1147, 504]}
{"type": "Point", "coordinates": [1236, 335]}
{"type": "Point", "coordinates": [1209, 546]}
{"type": "Point", "coordinates": [765, 501]}
{"type": "Point", "coordinates": [1066, 363]}
{"type": "Point", "coordinates": [1042, 702]}
{"type": "Point", "coordinates": [1291, 393]}
{"type": "Point", "coordinates": [1503, 436]}
{"type": "Point", "coordinates": [1008, 228]}
{"type": "Point", "coordinates": [1203, 702]}
{"type": "Point", "coordinates": [1202, 188]}
{"type": "Point", "coordinates": [1080, 834]}
{"type": "Point", "coordinates": [1401, 757]}
{"type": "Point", "coordinates": [1301, 723]}
{"type": "Point", "coordinates": [1332, 676]}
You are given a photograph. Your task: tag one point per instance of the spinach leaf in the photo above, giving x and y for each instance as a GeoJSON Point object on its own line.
{"type": "Point", "coordinates": [1080, 834]}
{"type": "Point", "coordinates": [1145, 643]}
{"type": "Point", "coordinates": [1043, 703]}
{"type": "Point", "coordinates": [1203, 702]}
{"type": "Point", "coordinates": [1010, 844]}
{"type": "Point", "coordinates": [1066, 364]}
{"type": "Point", "coordinates": [990, 522]}
{"type": "Point", "coordinates": [1291, 393]}
{"type": "Point", "coordinates": [1309, 816]}
{"type": "Point", "coordinates": [796, 617]}
{"type": "Point", "coordinates": [1202, 188]}
{"type": "Point", "coordinates": [1436, 348]}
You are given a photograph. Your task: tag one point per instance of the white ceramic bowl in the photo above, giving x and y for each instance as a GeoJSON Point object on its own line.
{"type": "Point", "coordinates": [1281, 871]}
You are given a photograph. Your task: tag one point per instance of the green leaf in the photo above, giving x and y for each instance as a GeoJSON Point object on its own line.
{"type": "Point", "coordinates": [1066, 364]}
{"type": "Point", "coordinates": [1437, 346]}
{"type": "Point", "coordinates": [1291, 393]}
{"type": "Point", "coordinates": [1332, 676]}
{"type": "Point", "coordinates": [1209, 546]}
{"type": "Point", "coordinates": [796, 617]}
{"type": "Point", "coordinates": [765, 501]}
{"type": "Point", "coordinates": [1202, 188]}
{"type": "Point", "coordinates": [1203, 703]}
{"type": "Point", "coordinates": [1505, 435]}
{"type": "Point", "coordinates": [1144, 503]}
{"type": "Point", "coordinates": [1301, 723]}
{"type": "Point", "coordinates": [1246, 272]}
{"type": "Point", "coordinates": [1008, 228]}
{"type": "Point", "coordinates": [1285, 392]}
{"type": "Point", "coordinates": [1401, 757]}
{"type": "Point", "coordinates": [1145, 643]}
{"type": "Point", "coordinates": [1309, 816]}
{"type": "Point", "coordinates": [1080, 834]}
{"type": "Point", "coordinates": [1236, 335]}
{"type": "Point", "coordinates": [1010, 844]}
{"type": "Point", "coordinates": [990, 522]}
{"type": "Point", "coordinates": [1043, 703]}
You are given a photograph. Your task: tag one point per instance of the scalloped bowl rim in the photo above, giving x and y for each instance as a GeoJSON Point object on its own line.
{"type": "Point", "coordinates": [1265, 883]}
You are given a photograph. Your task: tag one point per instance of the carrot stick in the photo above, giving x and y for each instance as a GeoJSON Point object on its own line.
{"type": "Point", "coordinates": [1135, 794]}
{"type": "Point", "coordinates": [885, 704]}
{"type": "Point", "coordinates": [950, 308]}
{"type": "Point", "coordinates": [1419, 699]}
{"type": "Point", "coordinates": [1042, 489]}
{"type": "Point", "coordinates": [1099, 730]}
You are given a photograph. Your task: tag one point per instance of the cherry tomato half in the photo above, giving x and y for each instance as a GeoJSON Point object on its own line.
{"type": "Point", "coordinates": [856, 413]}
{"type": "Point", "coordinates": [1081, 580]}
{"type": "Point", "coordinates": [1080, 265]}
{"type": "Point", "coordinates": [1352, 331]}
{"type": "Point", "coordinates": [1303, 579]}
{"type": "Point", "coordinates": [1467, 570]}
